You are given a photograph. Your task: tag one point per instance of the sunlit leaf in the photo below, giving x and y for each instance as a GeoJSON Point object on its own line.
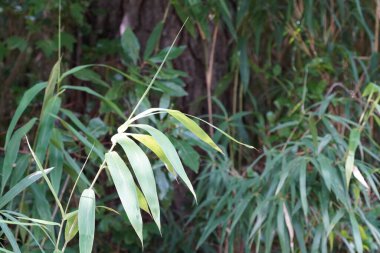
{"type": "Point", "coordinates": [143, 172]}
{"type": "Point", "coordinates": [125, 187]}
{"type": "Point", "coordinates": [86, 220]}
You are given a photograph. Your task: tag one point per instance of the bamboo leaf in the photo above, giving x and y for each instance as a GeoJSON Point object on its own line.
{"type": "Point", "coordinates": [358, 175]}
{"type": "Point", "coordinates": [20, 186]}
{"type": "Point", "coordinates": [153, 145]}
{"type": "Point", "coordinates": [86, 220]}
{"type": "Point", "coordinates": [25, 101]}
{"type": "Point", "coordinates": [289, 225]}
{"type": "Point", "coordinates": [303, 189]}
{"type": "Point", "coordinates": [170, 153]}
{"type": "Point", "coordinates": [46, 125]}
{"type": "Point", "coordinates": [153, 40]}
{"type": "Point", "coordinates": [353, 144]}
{"type": "Point", "coordinates": [194, 128]}
{"type": "Point", "coordinates": [12, 150]}
{"type": "Point", "coordinates": [71, 228]}
{"type": "Point", "coordinates": [356, 233]}
{"type": "Point", "coordinates": [9, 235]}
{"type": "Point", "coordinates": [142, 201]}
{"type": "Point", "coordinates": [143, 171]}
{"type": "Point", "coordinates": [94, 93]}
{"type": "Point", "coordinates": [53, 78]}
{"type": "Point", "coordinates": [125, 187]}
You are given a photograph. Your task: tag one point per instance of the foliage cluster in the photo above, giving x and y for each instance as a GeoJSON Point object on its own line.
{"type": "Point", "coordinates": [299, 85]}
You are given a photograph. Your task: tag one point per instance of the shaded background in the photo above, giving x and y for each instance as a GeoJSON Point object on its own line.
{"type": "Point", "coordinates": [264, 63]}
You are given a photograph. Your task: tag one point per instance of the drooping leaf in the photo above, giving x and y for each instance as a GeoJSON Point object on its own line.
{"type": "Point", "coordinates": [153, 145]}
{"type": "Point", "coordinates": [125, 187]}
{"type": "Point", "coordinates": [86, 220]}
{"type": "Point", "coordinates": [143, 172]}
{"type": "Point", "coordinates": [194, 128]}
{"type": "Point", "coordinates": [170, 153]}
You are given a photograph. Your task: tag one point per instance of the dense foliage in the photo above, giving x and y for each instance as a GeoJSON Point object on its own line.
{"type": "Point", "coordinates": [296, 79]}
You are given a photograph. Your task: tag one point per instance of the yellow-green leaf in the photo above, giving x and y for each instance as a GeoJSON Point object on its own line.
{"type": "Point", "coordinates": [153, 145]}
{"type": "Point", "coordinates": [194, 128]}
{"type": "Point", "coordinates": [71, 228]}
{"type": "Point", "coordinates": [170, 153]}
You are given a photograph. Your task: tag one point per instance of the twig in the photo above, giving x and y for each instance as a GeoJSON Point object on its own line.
{"type": "Point", "coordinates": [209, 72]}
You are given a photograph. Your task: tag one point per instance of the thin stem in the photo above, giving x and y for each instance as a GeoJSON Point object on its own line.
{"type": "Point", "coordinates": [209, 72]}
{"type": "Point", "coordinates": [102, 166]}
{"type": "Point", "coordinates": [156, 74]}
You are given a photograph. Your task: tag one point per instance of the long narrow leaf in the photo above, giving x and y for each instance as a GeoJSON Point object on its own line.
{"type": "Point", "coordinates": [125, 187]}
{"type": "Point", "coordinates": [86, 220]}
{"type": "Point", "coordinates": [170, 153]}
{"type": "Point", "coordinates": [12, 150]}
{"type": "Point", "coordinates": [29, 95]}
{"type": "Point", "coordinates": [20, 186]}
{"type": "Point", "coordinates": [143, 171]}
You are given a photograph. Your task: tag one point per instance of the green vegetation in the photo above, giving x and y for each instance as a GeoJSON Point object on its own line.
{"type": "Point", "coordinates": [97, 151]}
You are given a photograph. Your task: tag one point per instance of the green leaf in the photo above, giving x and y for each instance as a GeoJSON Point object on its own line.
{"type": "Point", "coordinates": [356, 233]}
{"type": "Point", "coordinates": [352, 145]}
{"type": "Point", "coordinates": [170, 153]}
{"type": "Point", "coordinates": [143, 172]}
{"type": "Point", "coordinates": [56, 159]}
{"type": "Point", "coordinates": [87, 131]}
{"type": "Point", "coordinates": [86, 220]}
{"type": "Point", "coordinates": [194, 128]}
{"type": "Point", "coordinates": [371, 88]}
{"type": "Point", "coordinates": [189, 156]}
{"type": "Point", "coordinates": [39, 221]}
{"type": "Point", "coordinates": [167, 53]}
{"type": "Point", "coordinates": [82, 139]}
{"type": "Point", "coordinates": [153, 145]}
{"type": "Point", "coordinates": [46, 125]}
{"type": "Point", "coordinates": [9, 235]}
{"type": "Point", "coordinates": [130, 45]}
{"type": "Point", "coordinates": [142, 201]}
{"type": "Point", "coordinates": [47, 180]}
{"type": "Point", "coordinates": [303, 189]}
{"type": "Point", "coordinates": [20, 186]}
{"type": "Point", "coordinates": [17, 42]}
{"type": "Point", "coordinates": [104, 99]}
{"type": "Point", "coordinates": [71, 228]}
{"type": "Point", "coordinates": [12, 150]}
{"type": "Point", "coordinates": [28, 96]}
{"type": "Point", "coordinates": [53, 78]}
{"type": "Point", "coordinates": [125, 187]}
{"type": "Point", "coordinates": [153, 39]}
{"type": "Point", "coordinates": [86, 74]}
{"type": "Point", "coordinates": [193, 125]}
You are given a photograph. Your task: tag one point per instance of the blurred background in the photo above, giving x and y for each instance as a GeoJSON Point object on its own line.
{"type": "Point", "coordinates": [286, 76]}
